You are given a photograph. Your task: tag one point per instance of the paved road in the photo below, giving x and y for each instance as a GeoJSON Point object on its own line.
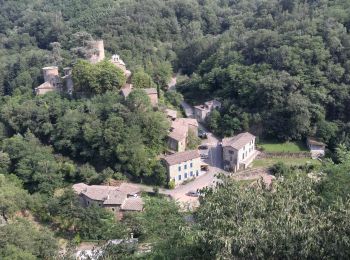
{"type": "Point", "coordinates": [208, 179]}
{"type": "Point", "coordinates": [188, 109]}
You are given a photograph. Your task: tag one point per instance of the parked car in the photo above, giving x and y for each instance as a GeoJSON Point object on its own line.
{"type": "Point", "coordinates": [193, 193]}
{"type": "Point", "coordinates": [202, 134]}
{"type": "Point", "coordinates": [203, 147]}
{"type": "Point", "coordinates": [203, 151]}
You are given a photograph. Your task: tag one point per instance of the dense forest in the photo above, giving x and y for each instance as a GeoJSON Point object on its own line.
{"type": "Point", "coordinates": [281, 69]}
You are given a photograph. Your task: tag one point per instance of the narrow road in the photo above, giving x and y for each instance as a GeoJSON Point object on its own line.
{"type": "Point", "coordinates": [188, 109]}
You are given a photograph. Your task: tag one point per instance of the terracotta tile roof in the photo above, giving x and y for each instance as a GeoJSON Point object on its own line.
{"type": "Point", "coordinates": [133, 204]}
{"type": "Point", "coordinates": [178, 135]}
{"type": "Point", "coordinates": [178, 130]}
{"type": "Point", "coordinates": [129, 188]}
{"type": "Point", "coordinates": [45, 85]}
{"type": "Point", "coordinates": [115, 197]}
{"type": "Point", "coordinates": [238, 141]}
{"type": "Point", "coordinates": [109, 195]}
{"type": "Point", "coordinates": [188, 121]}
{"type": "Point", "coordinates": [126, 90]}
{"type": "Point", "coordinates": [79, 187]}
{"type": "Point", "coordinates": [181, 157]}
{"type": "Point", "coordinates": [98, 192]}
{"type": "Point", "coordinates": [315, 141]}
{"type": "Point", "coordinates": [209, 105]}
{"type": "Point", "coordinates": [171, 113]}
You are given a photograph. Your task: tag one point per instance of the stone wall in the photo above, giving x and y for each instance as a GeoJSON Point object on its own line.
{"type": "Point", "coordinates": [266, 155]}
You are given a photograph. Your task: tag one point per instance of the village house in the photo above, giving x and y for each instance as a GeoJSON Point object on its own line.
{"type": "Point", "coordinates": [238, 151]}
{"type": "Point", "coordinates": [183, 166]}
{"type": "Point", "coordinates": [150, 92]}
{"type": "Point", "coordinates": [317, 148]}
{"type": "Point", "coordinates": [171, 114]}
{"type": "Point", "coordinates": [179, 131]}
{"type": "Point", "coordinates": [177, 138]}
{"type": "Point", "coordinates": [125, 197]}
{"type": "Point", "coordinates": [202, 111]}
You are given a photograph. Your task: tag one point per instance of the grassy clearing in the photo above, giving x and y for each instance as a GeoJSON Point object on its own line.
{"type": "Point", "coordinates": [274, 146]}
{"type": "Point", "coordinates": [287, 161]}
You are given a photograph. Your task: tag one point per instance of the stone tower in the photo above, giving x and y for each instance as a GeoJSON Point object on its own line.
{"type": "Point", "coordinates": [51, 76]}
{"type": "Point", "coordinates": [97, 51]}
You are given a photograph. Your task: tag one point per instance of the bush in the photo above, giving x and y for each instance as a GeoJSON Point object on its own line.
{"type": "Point", "coordinates": [280, 169]}
{"type": "Point", "coordinates": [171, 184]}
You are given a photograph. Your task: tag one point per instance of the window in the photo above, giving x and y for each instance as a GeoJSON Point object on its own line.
{"type": "Point", "coordinates": [185, 166]}
{"type": "Point", "coordinates": [185, 175]}
{"type": "Point", "coordinates": [197, 173]}
{"type": "Point", "coordinates": [179, 177]}
{"type": "Point", "coordinates": [88, 202]}
{"type": "Point", "coordinates": [191, 165]}
{"type": "Point", "coordinates": [179, 168]}
{"type": "Point", "coordinates": [99, 204]}
{"type": "Point", "coordinates": [191, 173]}
{"type": "Point", "coordinates": [112, 209]}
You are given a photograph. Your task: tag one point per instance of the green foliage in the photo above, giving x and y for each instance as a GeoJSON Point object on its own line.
{"type": "Point", "coordinates": [255, 222]}
{"type": "Point", "coordinates": [275, 146]}
{"type": "Point", "coordinates": [171, 184]}
{"type": "Point", "coordinates": [105, 131]}
{"type": "Point", "coordinates": [22, 240]}
{"type": "Point", "coordinates": [174, 98]}
{"type": "Point", "coordinates": [33, 163]}
{"type": "Point", "coordinates": [13, 197]}
{"type": "Point", "coordinates": [140, 79]}
{"type": "Point", "coordinates": [97, 78]}
{"type": "Point", "coordinates": [335, 185]}
{"type": "Point", "coordinates": [280, 169]}
{"type": "Point", "coordinates": [193, 141]}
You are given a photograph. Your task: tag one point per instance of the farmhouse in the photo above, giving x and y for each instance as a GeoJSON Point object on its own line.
{"type": "Point", "coordinates": [183, 166]}
{"type": "Point", "coordinates": [317, 148]}
{"type": "Point", "coordinates": [238, 151]}
{"type": "Point", "coordinates": [202, 111]}
{"type": "Point", "coordinates": [180, 127]}
{"type": "Point", "coordinates": [117, 199]}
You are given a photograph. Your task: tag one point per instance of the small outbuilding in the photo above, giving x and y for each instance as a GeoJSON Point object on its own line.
{"type": "Point", "coordinates": [317, 148]}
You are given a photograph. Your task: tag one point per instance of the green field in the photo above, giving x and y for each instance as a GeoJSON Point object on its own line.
{"type": "Point", "coordinates": [288, 161]}
{"type": "Point", "coordinates": [274, 146]}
